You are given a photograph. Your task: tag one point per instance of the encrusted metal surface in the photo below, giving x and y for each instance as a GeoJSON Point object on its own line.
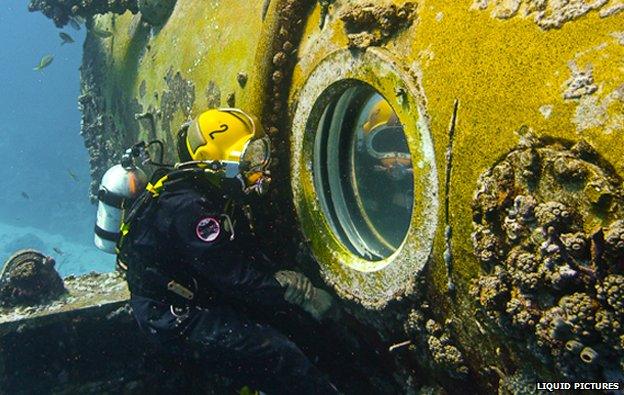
{"type": "Point", "coordinates": [550, 236]}
{"type": "Point", "coordinates": [28, 277]}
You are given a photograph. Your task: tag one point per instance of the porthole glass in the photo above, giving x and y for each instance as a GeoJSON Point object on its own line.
{"type": "Point", "coordinates": [363, 172]}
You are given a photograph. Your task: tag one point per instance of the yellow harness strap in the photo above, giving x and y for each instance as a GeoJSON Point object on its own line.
{"type": "Point", "coordinates": [155, 189]}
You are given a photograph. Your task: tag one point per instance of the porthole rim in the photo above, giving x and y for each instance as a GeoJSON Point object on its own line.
{"type": "Point", "coordinates": [375, 287]}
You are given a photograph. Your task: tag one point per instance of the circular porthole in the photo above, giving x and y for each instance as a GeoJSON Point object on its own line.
{"type": "Point", "coordinates": [363, 175]}
{"type": "Point", "coordinates": [362, 172]}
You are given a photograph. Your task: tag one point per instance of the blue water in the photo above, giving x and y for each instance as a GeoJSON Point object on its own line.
{"type": "Point", "coordinates": [41, 204]}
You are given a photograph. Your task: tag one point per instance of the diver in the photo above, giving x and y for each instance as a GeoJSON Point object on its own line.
{"type": "Point", "coordinates": [193, 264]}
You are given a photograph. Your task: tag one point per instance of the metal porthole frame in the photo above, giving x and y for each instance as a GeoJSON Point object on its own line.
{"type": "Point", "coordinates": [371, 283]}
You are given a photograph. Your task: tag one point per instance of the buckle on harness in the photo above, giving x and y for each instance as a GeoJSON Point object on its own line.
{"type": "Point", "coordinates": [229, 226]}
{"type": "Point", "coordinates": [181, 290]}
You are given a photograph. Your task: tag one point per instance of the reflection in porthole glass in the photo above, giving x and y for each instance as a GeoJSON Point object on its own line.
{"type": "Point", "coordinates": [363, 172]}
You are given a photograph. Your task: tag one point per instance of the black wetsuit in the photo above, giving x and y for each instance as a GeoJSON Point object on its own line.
{"type": "Point", "coordinates": [183, 235]}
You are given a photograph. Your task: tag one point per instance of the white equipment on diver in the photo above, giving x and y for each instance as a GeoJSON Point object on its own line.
{"type": "Point", "coordinates": [121, 184]}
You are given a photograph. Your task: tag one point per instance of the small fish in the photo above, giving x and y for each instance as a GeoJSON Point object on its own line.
{"type": "Point", "coordinates": [25, 195]}
{"type": "Point", "coordinates": [74, 23]}
{"type": "Point", "coordinates": [73, 175]}
{"type": "Point", "coordinates": [101, 33]}
{"type": "Point", "coordinates": [66, 38]}
{"type": "Point", "coordinates": [58, 250]}
{"type": "Point", "coordinates": [44, 62]}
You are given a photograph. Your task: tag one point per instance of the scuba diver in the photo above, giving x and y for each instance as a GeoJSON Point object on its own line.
{"type": "Point", "coordinates": [193, 263]}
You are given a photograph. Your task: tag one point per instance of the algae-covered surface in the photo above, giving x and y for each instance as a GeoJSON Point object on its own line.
{"type": "Point", "coordinates": [91, 291]}
{"type": "Point", "coordinates": [469, 81]}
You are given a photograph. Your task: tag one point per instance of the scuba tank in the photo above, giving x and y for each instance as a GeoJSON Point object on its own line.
{"type": "Point", "coordinates": [120, 185]}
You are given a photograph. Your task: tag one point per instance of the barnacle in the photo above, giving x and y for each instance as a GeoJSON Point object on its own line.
{"type": "Point", "coordinates": [493, 290]}
{"type": "Point", "coordinates": [513, 228]}
{"type": "Point", "coordinates": [527, 162]}
{"type": "Point", "coordinates": [573, 317]}
{"type": "Point", "coordinates": [433, 328]}
{"type": "Point", "coordinates": [552, 329]}
{"type": "Point", "coordinates": [574, 346]}
{"type": "Point", "coordinates": [519, 217]}
{"type": "Point", "coordinates": [551, 255]}
{"type": "Point", "coordinates": [520, 382]}
{"type": "Point", "coordinates": [576, 244]}
{"type": "Point", "coordinates": [524, 208]}
{"type": "Point", "coordinates": [589, 355]}
{"type": "Point", "coordinates": [609, 327]}
{"type": "Point", "coordinates": [569, 170]}
{"type": "Point", "coordinates": [525, 274]}
{"type": "Point", "coordinates": [562, 277]}
{"type": "Point", "coordinates": [521, 316]}
{"type": "Point", "coordinates": [414, 323]}
{"type": "Point", "coordinates": [486, 201]}
{"type": "Point", "coordinates": [611, 291]}
{"type": "Point", "coordinates": [503, 175]}
{"type": "Point", "coordinates": [614, 240]}
{"type": "Point", "coordinates": [579, 310]}
{"type": "Point", "coordinates": [486, 245]}
{"type": "Point", "coordinates": [447, 356]}
{"type": "Point", "coordinates": [553, 214]}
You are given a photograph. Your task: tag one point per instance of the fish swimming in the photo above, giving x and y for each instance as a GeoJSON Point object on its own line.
{"type": "Point", "coordinates": [73, 175]}
{"type": "Point", "coordinates": [74, 23]}
{"type": "Point", "coordinates": [44, 62]}
{"type": "Point", "coordinates": [66, 38]}
{"type": "Point", "coordinates": [58, 250]}
{"type": "Point", "coordinates": [101, 33]}
{"type": "Point", "coordinates": [25, 195]}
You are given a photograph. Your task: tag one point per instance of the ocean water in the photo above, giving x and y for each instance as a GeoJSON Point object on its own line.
{"type": "Point", "coordinates": [44, 166]}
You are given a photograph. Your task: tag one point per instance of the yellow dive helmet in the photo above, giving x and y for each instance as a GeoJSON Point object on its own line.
{"type": "Point", "coordinates": [380, 114]}
{"type": "Point", "coordinates": [384, 139]}
{"type": "Point", "coordinates": [383, 132]}
{"type": "Point", "coordinates": [230, 140]}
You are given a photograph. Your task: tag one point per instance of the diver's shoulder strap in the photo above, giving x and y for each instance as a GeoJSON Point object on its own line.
{"type": "Point", "coordinates": [161, 180]}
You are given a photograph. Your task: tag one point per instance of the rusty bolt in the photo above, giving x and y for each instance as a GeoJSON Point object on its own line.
{"type": "Point", "coordinates": [279, 59]}
{"type": "Point", "coordinates": [287, 47]}
{"type": "Point", "coordinates": [278, 76]}
{"type": "Point", "coordinates": [273, 131]}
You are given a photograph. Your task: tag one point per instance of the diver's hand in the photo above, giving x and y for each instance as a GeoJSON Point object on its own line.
{"type": "Point", "coordinates": [319, 304]}
{"type": "Point", "coordinates": [298, 287]}
{"type": "Point", "coordinates": [300, 291]}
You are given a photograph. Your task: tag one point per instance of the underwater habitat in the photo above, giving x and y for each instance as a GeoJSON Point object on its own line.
{"type": "Point", "coordinates": [311, 197]}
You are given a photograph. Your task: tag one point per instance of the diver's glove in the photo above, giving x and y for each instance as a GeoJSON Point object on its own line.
{"type": "Point", "coordinates": [300, 291]}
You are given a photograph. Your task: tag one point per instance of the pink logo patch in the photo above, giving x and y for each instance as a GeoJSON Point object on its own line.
{"type": "Point", "coordinates": [208, 229]}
